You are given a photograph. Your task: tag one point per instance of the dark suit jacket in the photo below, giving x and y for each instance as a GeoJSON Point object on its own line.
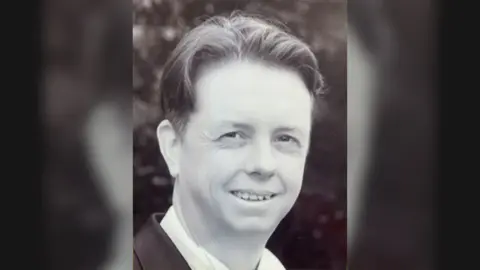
{"type": "Point", "coordinates": [154, 250]}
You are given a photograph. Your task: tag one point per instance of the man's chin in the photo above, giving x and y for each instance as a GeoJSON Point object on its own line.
{"type": "Point", "coordinates": [248, 219]}
{"type": "Point", "coordinates": [253, 225]}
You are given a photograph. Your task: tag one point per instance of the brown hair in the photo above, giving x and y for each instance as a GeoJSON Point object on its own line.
{"type": "Point", "coordinates": [234, 37]}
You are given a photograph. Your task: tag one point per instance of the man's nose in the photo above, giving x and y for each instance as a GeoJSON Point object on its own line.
{"type": "Point", "coordinates": [262, 164]}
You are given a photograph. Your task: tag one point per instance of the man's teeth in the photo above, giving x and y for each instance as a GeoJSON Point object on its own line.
{"type": "Point", "coordinates": [247, 196]}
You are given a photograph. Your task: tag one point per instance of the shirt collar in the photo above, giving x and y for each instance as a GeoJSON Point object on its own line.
{"type": "Point", "coordinates": [197, 257]}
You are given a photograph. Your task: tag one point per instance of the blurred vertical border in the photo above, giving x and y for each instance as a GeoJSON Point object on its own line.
{"type": "Point", "coordinates": [86, 60]}
{"type": "Point", "coordinates": [397, 228]}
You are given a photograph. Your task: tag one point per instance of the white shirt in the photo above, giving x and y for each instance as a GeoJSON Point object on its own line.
{"type": "Point", "coordinates": [197, 257]}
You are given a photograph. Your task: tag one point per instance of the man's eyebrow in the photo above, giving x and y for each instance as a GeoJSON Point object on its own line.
{"type": "Point", "coordinates": [236, 124]}
{"type": "Point", "coordinates": [289, 129]}
{"type": "Point", "coordinates": [245, 126]}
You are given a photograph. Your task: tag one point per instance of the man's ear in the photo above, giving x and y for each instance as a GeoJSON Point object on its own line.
{"type": "Point", "coordinates": [169, 143]}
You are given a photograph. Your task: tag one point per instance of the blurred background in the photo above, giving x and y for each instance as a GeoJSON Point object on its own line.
{"type": "Point", "coordinates": [313, 235]}
{"type": "Point", "coordinates": [392, 134]}
{"type": "Point", "coordinates": [86, 111]}
{"type": "Point", "coordinates": [87, 117]}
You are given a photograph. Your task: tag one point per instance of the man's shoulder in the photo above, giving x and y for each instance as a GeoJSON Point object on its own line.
{"type": "Point", "coordinates": [153, 249]}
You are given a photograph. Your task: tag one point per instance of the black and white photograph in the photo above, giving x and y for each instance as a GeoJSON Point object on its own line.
{"type": "Point", "coordinates": [239, 135]}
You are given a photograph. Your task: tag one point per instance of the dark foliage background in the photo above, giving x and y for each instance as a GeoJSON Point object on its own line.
{"type": "Point", "coordinates": [313, 235]}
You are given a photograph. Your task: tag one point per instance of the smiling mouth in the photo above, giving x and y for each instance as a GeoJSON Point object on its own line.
{"type": "Point", "coordinates": [252, 196]}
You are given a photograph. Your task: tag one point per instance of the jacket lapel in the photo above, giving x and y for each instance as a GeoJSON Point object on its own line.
{"type": "Point", "coordinates": [154, 250]}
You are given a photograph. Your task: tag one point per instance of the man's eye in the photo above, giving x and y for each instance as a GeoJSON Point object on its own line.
{"type": "Point", "coordinates": [232, 135]}
{"type": "Point", "coordinates": [287, 139]}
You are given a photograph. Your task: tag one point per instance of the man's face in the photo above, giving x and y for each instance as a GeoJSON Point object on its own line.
{"type": "Point", "coordinates": [244, 149]}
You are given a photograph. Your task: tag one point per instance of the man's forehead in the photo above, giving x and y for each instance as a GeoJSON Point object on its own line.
{"type": "Point", "coordinates": [248, 113]}
{"type": "Point", "coordinates": [239, 77]}
{"type": "Point", "coordinates": [277, 99]}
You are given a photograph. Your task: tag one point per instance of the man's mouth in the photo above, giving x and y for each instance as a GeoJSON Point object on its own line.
{"type": "Point", "coordinates": [252, 196]}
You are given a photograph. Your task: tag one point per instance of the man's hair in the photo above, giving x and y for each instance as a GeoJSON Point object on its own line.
{"type": "Point", "coordinates": [234, 37]}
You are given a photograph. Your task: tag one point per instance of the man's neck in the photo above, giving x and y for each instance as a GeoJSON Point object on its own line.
{"type": "Point", "coordinates": [236, 251]}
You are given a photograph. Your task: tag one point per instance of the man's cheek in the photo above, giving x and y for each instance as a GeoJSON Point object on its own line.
{"type": "Point", "coordinates": [296, 187]}
{"type": "Point", "coordinates": [292, 178]}
{"type": "Point", "coordinates": [293, 167]}
{"type": "Point", "coordinates": [228, 159]}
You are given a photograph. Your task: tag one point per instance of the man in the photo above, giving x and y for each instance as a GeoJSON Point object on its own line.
{"type": "Point", "coordinates": [238, 95]}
